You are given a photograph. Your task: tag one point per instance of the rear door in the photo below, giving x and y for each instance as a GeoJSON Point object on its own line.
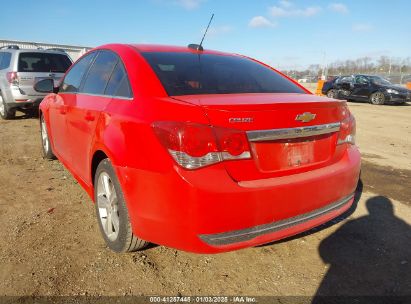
{"type": "Point", "coordinates": [58, 107]}
{"type": "Point", "coordinates": [361, 88]}
{"type": "Point", "coordinates": [344, 86]}
{"type": "Point", "coordinates": [35, 66]}
{"type": "Point", "coordinates": [100, 86]}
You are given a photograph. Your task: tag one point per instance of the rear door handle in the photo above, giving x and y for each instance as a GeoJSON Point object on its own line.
{"type": "Point", "coordinates": [63, 109]}
{"type": "Point", "coordinates": [89, 117]}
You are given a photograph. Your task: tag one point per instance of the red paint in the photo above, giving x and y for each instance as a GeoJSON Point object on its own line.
{"type": "Point", "coordinates": [170, 205]}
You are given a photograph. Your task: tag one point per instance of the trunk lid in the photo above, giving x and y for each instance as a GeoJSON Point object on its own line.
{"type": "Point", "coordinates": [288, 133]}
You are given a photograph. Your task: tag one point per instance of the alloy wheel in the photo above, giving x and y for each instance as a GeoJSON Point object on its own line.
{"type": "Point", "coordinates": [331, 94]}
{"type": "Point", "coordinates": [377, 98]}
{"type": "Point", "coordinates": [107, 203]}
{"type": "Point", "coordinates": [44, 136]}
{"type": "Point", "coordinates": [2, 106]}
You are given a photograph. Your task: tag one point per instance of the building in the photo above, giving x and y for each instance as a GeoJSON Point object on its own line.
{"type": "Point", "coordinates": [74, 51]}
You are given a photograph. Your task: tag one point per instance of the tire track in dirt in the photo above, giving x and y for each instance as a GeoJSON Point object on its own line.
{"type": "Point", "coordinates": [390, 182]}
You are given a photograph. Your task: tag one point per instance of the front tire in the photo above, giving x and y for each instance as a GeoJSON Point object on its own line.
{"type": "Point", "coordinates": [6, 112]}
{"type": "Point", "coordinates": [45, 141]}
{"type": "Point", "coordinates": [377, 98]}
{"type": "Point", "coordinates": [112, 213]}
{"type": "Point", "coordinates": [332, 94]}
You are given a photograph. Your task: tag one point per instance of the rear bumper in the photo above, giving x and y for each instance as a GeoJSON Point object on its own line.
{"type": "Point", "coordinates": [18, 98]}
{"type": "Point", "coordinates": [15, 98]}
{"type": "Point", "coordinates": [237, 236]}
{"type": "Point", "coordinates": [25, 104]}
{"type": "Point", "coordinates": [206, 211]}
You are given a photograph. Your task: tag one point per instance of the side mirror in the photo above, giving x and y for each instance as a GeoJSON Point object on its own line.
{"type": "Point", "coordinates": [45, 86]}
{"type": "Point", "coordinates": [346, 86]}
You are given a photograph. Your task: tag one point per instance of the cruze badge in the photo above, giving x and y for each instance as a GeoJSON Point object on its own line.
{"type": "Point", "coordinates": [240, 120]}
{"type": "Point", "coordinates": [305, 117]}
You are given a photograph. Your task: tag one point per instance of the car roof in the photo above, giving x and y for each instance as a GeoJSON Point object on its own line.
{"type": "Point", "coordinates": [365, 75]}
{"type": "Point", "coordinates": [143, 48]}
{"type": "Point", "coordinates": [353, 75]}
{"type": "Point", "coordinates": [42, 51]}
{"type": "Point", "coordinates": [32, 51]}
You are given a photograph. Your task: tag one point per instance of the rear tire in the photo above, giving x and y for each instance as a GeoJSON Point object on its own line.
{"type": "Point", "coordinates": [45, 140]}
{"type": "Point", "coordinates": [377, 98]}
{"type": "Point", "coordinates": [112, 213]}
{"type": "Point", "coordinates": [6, 112]}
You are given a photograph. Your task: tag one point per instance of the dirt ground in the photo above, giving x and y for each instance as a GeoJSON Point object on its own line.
{"type": "Point", "coordinates": [50, 243]}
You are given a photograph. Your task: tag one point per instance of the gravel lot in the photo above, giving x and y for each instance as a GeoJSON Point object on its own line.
{"type": "Point", "coordinates": [51, 244]}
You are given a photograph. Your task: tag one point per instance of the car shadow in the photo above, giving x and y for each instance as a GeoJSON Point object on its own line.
{"type": "Point", "coordinates": [405, 104]}
{"type": "Point", "coordinates": [26, 114]}
{"type": "Point", "coordinates": [368, 256]}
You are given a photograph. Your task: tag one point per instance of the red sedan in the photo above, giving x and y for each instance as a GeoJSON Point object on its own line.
{"type": "Point", "coordinates": [198, 150]}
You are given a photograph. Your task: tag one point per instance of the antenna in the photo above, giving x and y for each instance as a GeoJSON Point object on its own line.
{"type": "Point", "coordinates": [205, 33]}
{"type": "Point", "coordinates": [199, 47]}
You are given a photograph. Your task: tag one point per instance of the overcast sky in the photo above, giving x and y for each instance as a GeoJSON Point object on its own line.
{"type": "Point", "coordinates": [286, 34]}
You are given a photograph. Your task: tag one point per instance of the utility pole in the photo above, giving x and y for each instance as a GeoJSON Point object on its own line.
{"type": "Point", "coordinates": [324, 69]}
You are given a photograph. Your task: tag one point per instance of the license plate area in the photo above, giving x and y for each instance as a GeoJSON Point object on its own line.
{"type": "Point", "coordinates": [285, 154]}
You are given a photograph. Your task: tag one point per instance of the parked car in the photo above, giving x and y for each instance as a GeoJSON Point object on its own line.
{"type": "Point", "coordinates": [20, 69]}
{"type": "Point", "coordinates": [198, 150]}
{"type": "Point", "coordinates": [373, 89]}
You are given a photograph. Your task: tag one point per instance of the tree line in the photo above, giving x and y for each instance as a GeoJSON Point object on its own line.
{"type": "Point", "coordinates": [396, 69]}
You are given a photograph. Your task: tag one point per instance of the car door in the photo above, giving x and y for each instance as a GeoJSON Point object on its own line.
{"type": "Point", "coordinates": [344, 86]}
{"type": "Point", "coordinates": [84, 112]}
{"type": "Point", "coordinates": [361, 88]}
{"type": "Point", "coordinates": [58, 106]}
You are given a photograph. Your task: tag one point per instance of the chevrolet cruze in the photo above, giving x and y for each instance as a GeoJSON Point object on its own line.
{"type": "Point", "coordinates": [198, 150]}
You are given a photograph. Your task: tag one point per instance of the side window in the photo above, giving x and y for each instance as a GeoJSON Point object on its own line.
{"type": "Point", "coordinates": [72, 81]}
{"type": "Point", "coordinates": [347, 79]}
{"type": "Point", "coordinates": [118, 84]}
{"type": "Point", "coordinates": [99, 73]}
{"type": "Point", "coordinates": [361, 80]}
{"type": "Point", "coordinates": [5, 60]}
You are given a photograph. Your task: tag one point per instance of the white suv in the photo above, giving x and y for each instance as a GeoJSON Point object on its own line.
{"type": "Point", "coordinates": [20, 69]}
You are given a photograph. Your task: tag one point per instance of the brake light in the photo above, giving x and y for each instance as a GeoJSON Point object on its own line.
{"type": "Point", "coordinates": [194, 145]}
{"type": "Point", "coordinates": [347, 129]}
{"type": "Point", "coordinates": [12, 78]}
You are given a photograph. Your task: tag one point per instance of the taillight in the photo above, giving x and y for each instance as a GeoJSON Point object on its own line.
{"type": "Point", "coordinates": [347, 129]}
{"type": "Point", "coordinates": [12, 78]}
{"type": "Point", "coordinates": [195, 145]}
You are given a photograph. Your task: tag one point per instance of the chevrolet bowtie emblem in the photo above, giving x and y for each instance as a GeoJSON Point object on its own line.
{"type": "Point", "coordinates": [305, 117]}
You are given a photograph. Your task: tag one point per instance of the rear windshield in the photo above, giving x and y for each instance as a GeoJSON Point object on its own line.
{"type": "Point", "coordinates": [43, 62]}
{"type": "Point", "coordinates": [192, 74]}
